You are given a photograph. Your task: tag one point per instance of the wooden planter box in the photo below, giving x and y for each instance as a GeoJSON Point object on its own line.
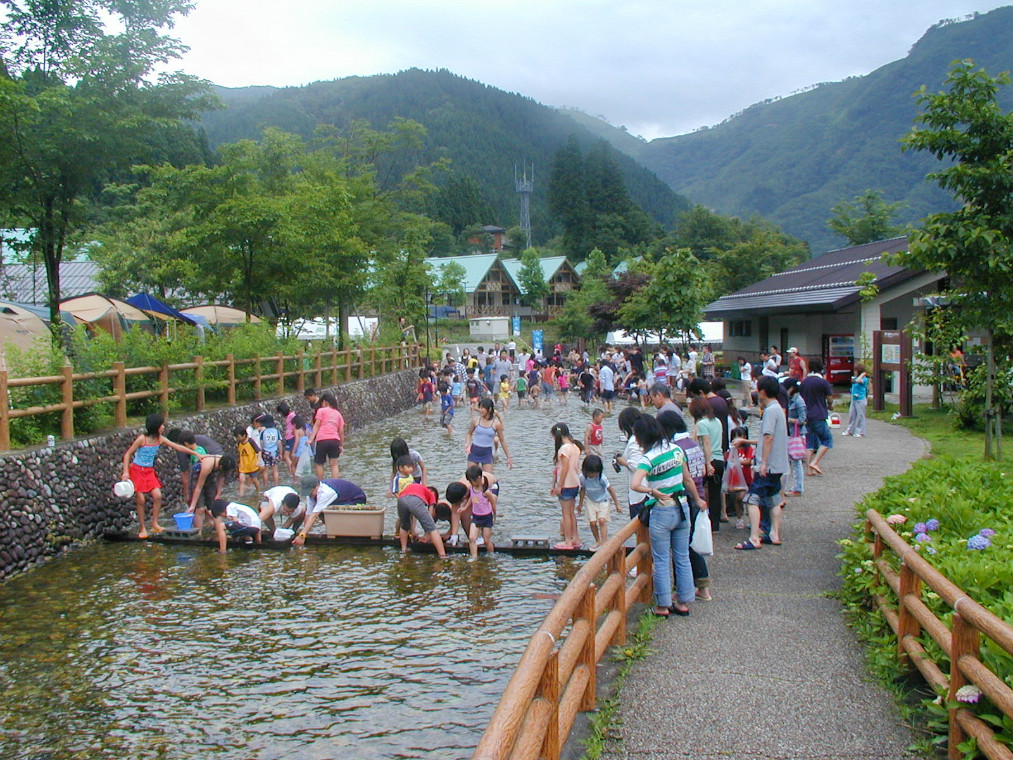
{"type": "Point", "coordinates": [355, 520]}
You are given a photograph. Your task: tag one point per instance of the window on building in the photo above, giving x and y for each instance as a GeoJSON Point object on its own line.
{"type": "Point", "coordinates": [742, 328]}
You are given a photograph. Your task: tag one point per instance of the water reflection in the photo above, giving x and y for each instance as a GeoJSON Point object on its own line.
{"type": "Point", "coordinates": [150, 651]}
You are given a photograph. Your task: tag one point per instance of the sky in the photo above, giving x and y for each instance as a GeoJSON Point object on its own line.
{"type": "Point", "coordinates": [657, 67]}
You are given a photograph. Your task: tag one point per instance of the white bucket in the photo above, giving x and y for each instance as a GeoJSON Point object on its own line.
{"type": "Point", "coordinates": [283, 534]}
{"type": "Point", "coordinates": [124, 489]}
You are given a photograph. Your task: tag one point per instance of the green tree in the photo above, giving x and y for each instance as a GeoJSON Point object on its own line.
{"type": "Point", "coordinates": [568, 200]}
{"type": "Point", "coordinates": [77, 103]}
{"type": "Point", "coordinates": [461, 204]}
{"type": "Point", "coordinates": [574, 321]}
{"type": "Point", "coordinates": [671, 302]}
{"type": "Point", "coordinates": [866, 219]}
{"type": "Point", "coordinates": [965, 127]}
{"type": "Point", "coordinates": [450, 284]}
{"type": "Point", "coordinates": [534, 288]}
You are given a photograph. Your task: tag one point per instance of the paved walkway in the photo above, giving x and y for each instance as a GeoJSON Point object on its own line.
{"type": "Point", "coordinates": [769, 669]}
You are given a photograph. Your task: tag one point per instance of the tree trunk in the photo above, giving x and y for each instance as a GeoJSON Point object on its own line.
{"type": "Point", "coordinates": [989, 385]}
{"type": "Point", "coordinates": [342, 319]}
{"type": "Point", "coordinates": [52, 254]}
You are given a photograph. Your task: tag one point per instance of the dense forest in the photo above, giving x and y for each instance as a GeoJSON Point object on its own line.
{"type": "Point", "coordinates": [792, 159]}
{"type": "Point", "coordinates": [485, 132]}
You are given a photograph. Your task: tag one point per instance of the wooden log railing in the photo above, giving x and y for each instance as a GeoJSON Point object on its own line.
{"type": "Point", "coordinates": [910, 618]}
{"type": "Point", "coordinates": [288, 374]}
{"type": "Point", "coordinates": [555, 677]}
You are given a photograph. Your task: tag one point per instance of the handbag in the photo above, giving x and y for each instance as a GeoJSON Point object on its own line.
{"type": "Point", "coordinates": [700, 539]}
{"type": "Point", "coordinates": [796, 445]}
{"type": "Point", "coordinates": [644, 513]}
{"type": "Point", "coordinates": [734, 478]}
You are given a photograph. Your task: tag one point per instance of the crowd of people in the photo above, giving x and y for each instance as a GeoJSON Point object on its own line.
{"type": "Point", "coordinates": [683, 461]}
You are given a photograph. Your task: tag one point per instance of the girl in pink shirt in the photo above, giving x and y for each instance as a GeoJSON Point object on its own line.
{"type": "Point", "coordinates": [328, 435]}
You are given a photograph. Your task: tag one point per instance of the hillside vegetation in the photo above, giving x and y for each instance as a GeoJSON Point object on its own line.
{"type": "Point", "coordinates": [484, 131]}
{"type": "Point", "coordinates": [791, 160]}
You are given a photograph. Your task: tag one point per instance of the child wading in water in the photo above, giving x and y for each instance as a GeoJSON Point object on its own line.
{"type": "Point", "coordinates": [596, 491]}
{"type": "Point", "coordinates": [594, 435]}
{"type": "Point", "coordinates": [483, 511]}
{"type": "Point", "coordinates": [566, 483]}
{"type": "Point", "coordinates": [139, 469]}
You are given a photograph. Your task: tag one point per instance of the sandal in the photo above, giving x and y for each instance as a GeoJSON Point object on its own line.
{"type": "Point", "coordinates": [815, 470]}
{"type": "Point", "coordinates": [676, 611]}
{"type": "Point", "coordinates": [747, 546]}
{"type": "Point", "coordinates": [765, 539]}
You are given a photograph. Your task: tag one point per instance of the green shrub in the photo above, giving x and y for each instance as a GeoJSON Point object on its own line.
{"type": "Point", "coordinates": [965, 498]}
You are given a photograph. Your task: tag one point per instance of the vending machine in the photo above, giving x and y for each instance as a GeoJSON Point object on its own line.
{"type": "Point", "coordinates": [839, 351]}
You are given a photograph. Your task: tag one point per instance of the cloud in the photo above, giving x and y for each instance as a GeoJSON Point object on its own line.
{"type": "Point", "coordinates": [659, 67]}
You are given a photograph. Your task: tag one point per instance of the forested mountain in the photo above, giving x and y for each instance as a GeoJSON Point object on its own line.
{"type": "Point", "coordinates": [484, 131]}
{"type": "Point", "coordinates": [791, 160]}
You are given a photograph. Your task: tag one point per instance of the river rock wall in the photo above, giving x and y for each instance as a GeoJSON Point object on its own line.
{"type": "Point", "coordinates": [53, 498]}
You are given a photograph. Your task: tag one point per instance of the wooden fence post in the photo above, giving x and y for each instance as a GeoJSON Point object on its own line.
{"type": "Point", "coordinates": [120, 391]}
{"type": "Point", "coordinates": [617, 567]}
{"type": "Point", "coordinates": [907, 624]}
{"type": "Point", "coordinates": [300, 379]}
{"type": "Point", "coordinates": [256, 377]}
{"type": "Point", "coordinates": [230, 371]}
{"type": "Point", "coordinates": [280, 370]}
{"type": "Point", "coordinates": [966, 642]}
{"type": "Point", "coordinates": [372, 361]}
{"type": "Point", "coordinates": [348, 365]}
{"type": "Point", "coordinates": [318, 377]}
{"type": "Point", "coordinates": [67, 420]}
{"type": "Point", "coordinates": [198, 376]}
{"type": "Point", "coordinates": [587, 611]}
{"type": "Point", "coordinates": [5, 406]}
{"type": "Point", "coordinates": [548, 689]}
{"type": "Point", "coordinates": [334, 366]}
{"type": "Point", "coordinates": [646, 565]}
{"type": "Point", "coordinates": [163, 382]}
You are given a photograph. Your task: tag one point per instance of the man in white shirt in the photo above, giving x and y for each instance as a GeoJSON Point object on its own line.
{"type": "Point", "coordinates": [691, 364]}
{"type": "Point", "coordinates": [607, 385]}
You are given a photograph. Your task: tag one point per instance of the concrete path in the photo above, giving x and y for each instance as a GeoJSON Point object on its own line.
{"type": "Point", "coordinates": [769, 669]}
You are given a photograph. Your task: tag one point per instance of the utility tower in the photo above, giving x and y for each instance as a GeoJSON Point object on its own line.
{"type": "Point", "coordinates": [525, 186]}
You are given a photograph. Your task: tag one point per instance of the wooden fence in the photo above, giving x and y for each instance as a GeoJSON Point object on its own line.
{"type": "Point", "coordinates": [555, 677]}
{"type": "Point", "coordinates": [961, 643]}
{"type": "Point", "coordinates": [325, 368]}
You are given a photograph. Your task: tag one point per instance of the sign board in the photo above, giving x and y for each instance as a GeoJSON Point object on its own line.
{"type": "Point", "coordinates": [537, 341]}
{"type": "Point", "coordinates": [889, 353]}
{"type": "Point", "coordinates": [517, 327]}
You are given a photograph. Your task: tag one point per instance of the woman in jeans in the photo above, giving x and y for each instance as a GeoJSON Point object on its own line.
{"type": "Point", "coordinates": [663, 476]}
{"type": "Point", "coordinates": [796, 426]}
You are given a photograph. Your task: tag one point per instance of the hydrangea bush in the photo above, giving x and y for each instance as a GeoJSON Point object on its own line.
{"type": "Point", "coordinates": [959, 516]}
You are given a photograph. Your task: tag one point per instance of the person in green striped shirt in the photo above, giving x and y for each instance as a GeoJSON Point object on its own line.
{"type": "Point", "coordinates": [662, 474]}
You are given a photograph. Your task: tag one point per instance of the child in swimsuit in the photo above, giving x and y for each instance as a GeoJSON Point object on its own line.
{"type": "Point", "coordinates": [139, 468]}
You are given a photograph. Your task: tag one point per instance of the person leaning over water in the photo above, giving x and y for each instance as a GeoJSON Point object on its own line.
{"type": "Point", "coordinates": [189, 465]}
{"type": "Point", "coordinates": [484, 430]}
{"type": "Point", "coordinates": [414, 502]}
{"type": "Point", "coordinates": [322, 494]}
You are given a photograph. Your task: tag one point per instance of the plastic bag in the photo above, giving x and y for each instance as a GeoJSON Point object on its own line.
{"type": "Point", "coordinates": [701, 541]}
{"type": "Point", "coordinates": [734, 479]}
{"type": "Point", "coordinates": [304, 465]}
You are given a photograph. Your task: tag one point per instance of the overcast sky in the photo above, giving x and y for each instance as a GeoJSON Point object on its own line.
{"type": "Point", "coordinates": [659, 67]}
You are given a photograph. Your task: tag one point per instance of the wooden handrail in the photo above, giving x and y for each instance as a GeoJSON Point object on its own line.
{"type": "Point", "coordinates": [961, 645]}
{"type": "Point", "coordinates": [555, 677]}
{"type": "Point", "coordinates": [120, 396]}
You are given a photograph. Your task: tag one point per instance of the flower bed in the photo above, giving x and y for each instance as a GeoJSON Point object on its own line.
{"type": "Point", "coordinates": [959, 515]}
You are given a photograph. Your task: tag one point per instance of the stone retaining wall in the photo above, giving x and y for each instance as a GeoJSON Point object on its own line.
{"type": "Point", "coordinates": [52, 498]}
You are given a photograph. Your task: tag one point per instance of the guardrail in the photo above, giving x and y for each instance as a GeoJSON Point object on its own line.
{"type": "Point", "coordinates": [323, 368]}
{"type": "Point", "coordinates": [961, 644]}
{"type": "Point", "coordinates": [555, 677]}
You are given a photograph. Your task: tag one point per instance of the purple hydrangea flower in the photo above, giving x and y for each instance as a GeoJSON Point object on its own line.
{"type": "Point", "coordinates": [986, 532]}
{"type": "Point", "coordinates": [978, 543]}
{"type": "Point", "coordinates": [932, 524]}
{"type": "Point", "coordinates": [931, 549]}
{"type": "Point", "coordinates": [920, 528]}
{"type": "Point", "coordinates": [923, 536]}
{"type": "Point", "coordinates": [969, 693]}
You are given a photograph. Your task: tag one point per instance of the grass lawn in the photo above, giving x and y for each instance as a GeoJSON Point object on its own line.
{"type": "Point", "coordinates": [936, 426]}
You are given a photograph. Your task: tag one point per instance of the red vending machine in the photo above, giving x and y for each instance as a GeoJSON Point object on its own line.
{"type": "Point", "coordinates": [839, 351]}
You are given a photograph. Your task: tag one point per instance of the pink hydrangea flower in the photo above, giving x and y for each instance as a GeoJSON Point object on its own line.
{"type": "Point", "coordinates": [969, 693]}
{"type": "Point", "coordinates": [896, 519]}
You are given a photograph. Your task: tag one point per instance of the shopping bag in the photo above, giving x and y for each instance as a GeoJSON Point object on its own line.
{"type": "Point", "coordinates": [733, 479]}
{"type": "Point", "coordinates": [796, 445]}
{"type": "Point", "coordinates": [702, 542]}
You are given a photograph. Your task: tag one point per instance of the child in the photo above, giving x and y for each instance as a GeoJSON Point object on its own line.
{"type": "Point", "coordinates": [563, 381]}
{"type": "Point", "coordinates": [534, 386]}
{"type": "Point", "coordinates": [404, 474]}
{"type": "Point", "coordinates": [746, 454]}
{"type": "Point", "coordinates": [596, 489]}
{"type": "Point", "coordinates": [473, 387]}
{"type": "Point", "coordinates": [270, 445]}
{"type": "Point", "coordinates": [594, 434]}
{"type": "Point", "coordinates": [483, 511]}
{"type": "Point", "coordinates": [248, 454]}
{"type": "Point", "coordinates": [280, 500]}
{"type": "Point", "coordinates": [425, 391]}
{"type": "Point", "coordinates": [859, 402]}
{"type": "Point", "coordinates": [300, 446]}
{"type": "Point", "coordinates": [139, 469]}
{"type": "Point", "coordinates": [504, 391]}
{"type": "Point", "coordinates": [229, 523]}
{"type": "Point", "coordinates": [447, 404]}
{"type": "Point", "coordinates": [522, 389]}
{"type": "Point", "coordinates": [289, 437]}
{"type": "Point", "coordinates": [414, 503]}
{"type": "Point", "coordinates": [253, 430]}
{"type": "Point", "coordinates": [457, 389]}
{"type": "Point", "coordinates": [447, 510]}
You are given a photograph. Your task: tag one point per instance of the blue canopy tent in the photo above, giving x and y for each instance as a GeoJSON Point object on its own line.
{"type": "Point", "coordinates": [150, 304]}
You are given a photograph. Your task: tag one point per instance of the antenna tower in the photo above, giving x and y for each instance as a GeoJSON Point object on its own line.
{"type": "Point", "coordinates": [525, 186]}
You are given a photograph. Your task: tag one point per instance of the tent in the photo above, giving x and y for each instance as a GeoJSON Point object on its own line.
{"type": "Point", "coordinates": [158, 310]}
{"type": "Point", "coordinates": [110, 314]}
{"type": "Point", "coordinates": [22, 328]}
{"type": "Point", "coordinates": [226, 316]}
